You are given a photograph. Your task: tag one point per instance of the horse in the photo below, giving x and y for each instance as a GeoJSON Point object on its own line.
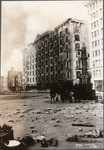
{"type": "Point", "coordinates": [55, 92]}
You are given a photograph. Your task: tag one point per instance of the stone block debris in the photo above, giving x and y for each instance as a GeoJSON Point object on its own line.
{"type": "Point", "coordinates": [83, 124]}
{"type": "Point", "coordinates": [80, 129]}
{"type": "Point", "coordinates": [44, 143]}
{"type": "Point", "coordinates": [53, 142]}
{"type": "Point", "coordinates": [39, 138]}
{"type": "Point", "coordinates": [56, 125]}
{"type": "Point", "coordinates": [11, 120]}
{"type": "Point", "coordinates": [32, 126]}
{"type": "Point", "coordinates": [102, 133]}
{"type": "Point", "coordinates": [94, 134]}
{"type": "Point", "coordinates": [27, 111]}
{"type": "Point", "coordinates": [72, 138]}
{"type": "Point", "coordinates": [28, 140]}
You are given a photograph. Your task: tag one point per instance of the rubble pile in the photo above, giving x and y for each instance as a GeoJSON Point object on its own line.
{"type": "Point", "coordinates": [6, 133]}
{"type": "Point", "coordinates": [28, 140]}
{"type": "Point", "coordinates": [94, 134]}
{"type": "Point", "coordinates": [7, 139]}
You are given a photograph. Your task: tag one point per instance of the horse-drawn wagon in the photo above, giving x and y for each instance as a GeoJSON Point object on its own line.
{"type": "Point", "coordinates": [68, 91]}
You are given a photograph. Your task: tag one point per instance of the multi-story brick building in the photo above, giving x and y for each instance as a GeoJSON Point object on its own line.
{"type": "Point", "coordinates": [29, 66]}
{"type": "Point", "coordinates": [95, 12]}
{"type": "Point", "coordinates": [58, 52]}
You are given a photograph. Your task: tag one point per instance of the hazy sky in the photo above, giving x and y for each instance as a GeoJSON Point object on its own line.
{"type": "Point", "coordinates": [23, 20]}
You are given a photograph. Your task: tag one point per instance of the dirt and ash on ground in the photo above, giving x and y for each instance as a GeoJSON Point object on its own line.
{"type": "Point", "coordinates": [33, 114]}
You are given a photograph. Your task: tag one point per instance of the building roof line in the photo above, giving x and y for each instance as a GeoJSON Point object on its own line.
{"type": "Point", "coordinates": [40, 36]}
{"type": "Point", "coordinates": [67, 20]}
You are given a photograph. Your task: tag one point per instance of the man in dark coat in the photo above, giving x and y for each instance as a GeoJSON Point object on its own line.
{"type": "Point", "coordinates": [77, 93]}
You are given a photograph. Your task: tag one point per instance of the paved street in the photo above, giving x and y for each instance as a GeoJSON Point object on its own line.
{"type": "Point", "coordinates": [33, 114]}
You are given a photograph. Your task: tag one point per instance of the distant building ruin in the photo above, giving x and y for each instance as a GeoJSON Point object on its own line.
{"type": "Point", "coordinates": [3, 84]}
{"type": "Point", "coordinates": [14, 80]}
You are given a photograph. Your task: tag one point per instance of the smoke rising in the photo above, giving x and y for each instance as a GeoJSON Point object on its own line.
{"type": "Point", "coordinates": [23, 20]}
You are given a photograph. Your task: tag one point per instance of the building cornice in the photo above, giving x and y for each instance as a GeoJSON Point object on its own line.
{"type": "Point", "coordinates": [67, 21]}
{"type": "Point", "coordinates": [88, 3]}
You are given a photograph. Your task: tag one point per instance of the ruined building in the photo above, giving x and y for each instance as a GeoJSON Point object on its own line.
{"type": "Point", "coordinates": [14, 80]}
{"type": "Point", "coordinates": [3, 84]}
{"type": "Point", "coordinates": [58, 53]}
{"type": "Point", "coordinates": [29, 67]}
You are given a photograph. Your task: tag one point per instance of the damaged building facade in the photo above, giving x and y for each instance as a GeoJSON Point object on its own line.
{"type": "Point", "coordinates": [29, 67]}
{"type": "Point", "coordinates": [3, 84]}
{"type": "Point", "coordinates": [14, 80]}
{"type": "Point", "coordinates": [58, 53]}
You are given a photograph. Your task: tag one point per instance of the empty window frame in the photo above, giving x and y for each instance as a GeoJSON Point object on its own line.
{"type": "Point", "coordinates": [77, 38]}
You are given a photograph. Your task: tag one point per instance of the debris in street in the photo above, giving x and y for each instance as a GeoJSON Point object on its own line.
{"type": "Point", "coordinates": [13, 144]}
{"type": "Point", "coordinates": [83, 124]}
{"type": "Point", "coordinates": [56, 110]}
{"type": "Point", "coordinates": [38, 112]}
{"type": "Point", "coordinates": [48, 109]}
{"type": "Point", "coordinates": [71, 117]}
{"type": "Point", "coordinates": [27, 111]}
{"type": "Point", "coordinates": [101, 133]}
{"type": "Point", "coordinates": [76, 139]}
{"type": "Point", "coordinates": [39, 138]}
{"type": "Point", "coordinates": [11, 120]}
{"type": "Point", "coordinates": [58, 121]}
{"type": "Point", "coordinates": [80, 129]}
{"type": "Point", "coordinates": [33, 131]}
{"type": "Point", "coordinates": [75, 119]}
{"type": "Point", "coordinates": [32, 126]}
{"type": "Point", "coordinates": [53, 118]}
{"type": "Point", "coordinates": [56, 125]}
{"type": "Point", "coordinates": [21, 116]}
{"type": "Point", "coordinates": [44, 143]}
{"type": "Point", "coordinates": [80, 121]}
{"type": "Point", "coordinates": [95, 133]}
{"type": "Point", "coordinates": [53, 142]}
{"type": "Point", "coordinates": [77, 107]}
{"type": "Point", "coordinates": [72, 138]}
{"type": "Point", "coordinates": [28, 140]}
{"type": "Point", "coordinates": [6, 133]}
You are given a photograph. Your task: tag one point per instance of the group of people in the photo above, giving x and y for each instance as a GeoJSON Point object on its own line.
{"type": "Point", "coordinates": [58, 92]}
